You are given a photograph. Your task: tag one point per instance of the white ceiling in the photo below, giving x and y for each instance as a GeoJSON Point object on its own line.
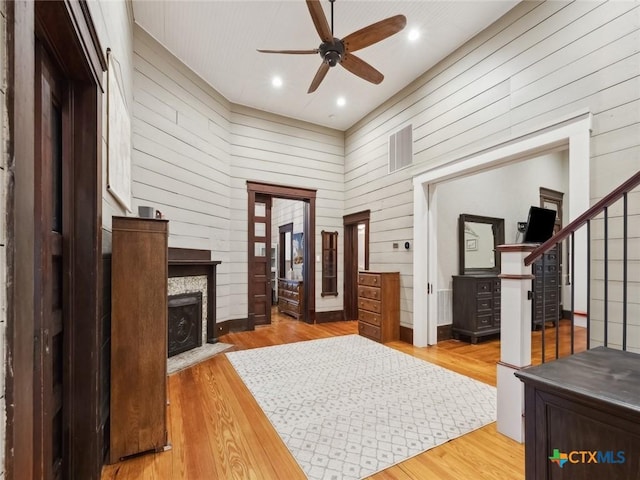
{"type": "Point", "coordinates": [218, 40]}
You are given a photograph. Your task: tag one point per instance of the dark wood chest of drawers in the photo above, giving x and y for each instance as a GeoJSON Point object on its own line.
{"type": "Point", "coordinates": [290, 297]}
{"type": "Point", "coordinates": [476, 306]}
{"type": "Point", "coordinates": [379, 305]}
{"type": "Point", "coordinates": [588, 402]}
{"type": "Point", "coordinates": [546, 288]}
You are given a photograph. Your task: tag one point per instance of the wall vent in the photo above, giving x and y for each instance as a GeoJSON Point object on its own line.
{"type": "Point", "coordinates": [445, 307]}
{"type": "Point", "coordinates": [401, 148]}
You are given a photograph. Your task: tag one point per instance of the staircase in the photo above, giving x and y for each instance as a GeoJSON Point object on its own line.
{"type": "Point", "coordinates": [588, 400]}
{"type": "Point", "coordinates": [605, 242]}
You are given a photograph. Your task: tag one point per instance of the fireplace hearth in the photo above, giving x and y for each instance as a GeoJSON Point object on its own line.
{"type": "Point", "coordinates": [185, 322]}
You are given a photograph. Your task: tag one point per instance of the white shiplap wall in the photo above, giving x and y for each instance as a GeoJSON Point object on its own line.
{"type": "Point", "coordinates": [284, 211]}
{"type": "Point", "coordinates": [193, 153]}
{"type": "Point", "coordinates": [539, 62]}
{"type": "Point", "coordinates": [114, 25]}
{"type": "Point", "coordinates": [181, 155]}
{"type": "Point", "coordinates": [273, 149]}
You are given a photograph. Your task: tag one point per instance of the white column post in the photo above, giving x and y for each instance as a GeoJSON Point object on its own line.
{"type": "Point", "coordinates": [515, 337]}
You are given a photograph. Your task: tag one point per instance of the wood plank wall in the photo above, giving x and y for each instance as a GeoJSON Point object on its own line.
{"type": "Point", "coordinates": [4, 158]}
{"type": "Point", "coordinates": [194, 152]}
{"type": "Point", "coordinates": [539, 62]}
{"type": "Point", "coordinates": [274, 149]}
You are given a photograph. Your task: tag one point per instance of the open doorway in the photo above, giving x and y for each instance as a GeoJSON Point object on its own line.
{"type": "Point", "coordinates": [572, 134]}
{"type": "Point", "coordinates": [262, 250]}
{"type": "Point", "coordinates": [356, 258]}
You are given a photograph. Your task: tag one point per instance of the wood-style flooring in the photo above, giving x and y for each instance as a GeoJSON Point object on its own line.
{"type": "Point", "coordinates": [218, 431]}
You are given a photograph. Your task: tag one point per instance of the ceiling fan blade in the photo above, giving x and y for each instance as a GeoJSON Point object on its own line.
{"type": "Point", "coordinates": [295, 52]}
{"type": "Point", "coordinates": [320, 20]}
{"type": "Point", "coordinates": [374, 33]}
{"type": "Point", "coordinates": [320, 74]}
{"type": "Point", "coordinates": [359, 67]}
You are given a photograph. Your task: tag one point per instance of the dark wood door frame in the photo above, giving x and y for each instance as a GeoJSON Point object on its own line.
{"type": "Point", "coordinates": [66, 30]}
{"type": "Point", "coordinates": [282, 230]}
{"type": "Point", "coordinates": [351, 223]}
{"type": "Point", "coordinates": [308, 196]}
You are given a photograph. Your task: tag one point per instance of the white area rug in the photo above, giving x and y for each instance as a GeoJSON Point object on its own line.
{"type": "Point", "coordinates": [347, 407]}
{"type": "Point", "coordinates": [195, 355]}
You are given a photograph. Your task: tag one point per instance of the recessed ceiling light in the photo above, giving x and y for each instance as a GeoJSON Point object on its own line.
{"type": "Point", "coordinates": [413, 34]}
{"type": "Point", "coordinates": [276, 82]}
{"type": "Point", "coordinates": [341, 101]}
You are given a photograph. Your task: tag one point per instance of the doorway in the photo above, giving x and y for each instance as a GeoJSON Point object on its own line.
{"type": "Point", "coordinates": [259, 252]}
{"type": "Point", "coordinates": [552, 200]}
{"type": "Point", "coordinates": [569, 133]}
{"type": "Point", "coordinates": [54, 269]}
{"type": "Point", "coordinates": [356, 258]}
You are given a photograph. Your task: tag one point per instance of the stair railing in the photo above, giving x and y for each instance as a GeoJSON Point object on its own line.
{"type": "Point", "coordinates": [568, 234]}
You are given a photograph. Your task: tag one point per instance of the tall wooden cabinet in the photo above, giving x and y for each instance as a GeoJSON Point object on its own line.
{"type": "Point", "coordinates": [379, 305]}
{"type": "Point", "coordinates": [139, 268]}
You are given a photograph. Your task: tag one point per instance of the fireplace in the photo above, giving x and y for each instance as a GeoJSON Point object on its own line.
{"type": "Point", "coordinates": [185, 322]}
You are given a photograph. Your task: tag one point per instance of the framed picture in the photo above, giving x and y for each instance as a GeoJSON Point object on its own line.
{"type": "Point", "coordinates": [118, 136]}
{"type": "Point", "coordinates": [298, 248]}
{"type": "Point", "coordinates": [471, 244]}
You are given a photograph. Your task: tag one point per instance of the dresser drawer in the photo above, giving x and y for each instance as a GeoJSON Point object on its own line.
{"type": "Point", "coordinates": [368, 304]}
{"type": "Point", "coordinates": [369, 292]}
{"type": "Point", "coordinates": [371, 279]}
{"type": "Point", "coordinates": [370, 317]}
{"type": "Point", "coordinates": [485, 286]}
{"type": "Point", "coordinates": [484, 304]}
{"type": "Point", "coordinates": [370, 331]}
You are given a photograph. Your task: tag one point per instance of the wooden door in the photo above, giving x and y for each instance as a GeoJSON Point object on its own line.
{"type": "Point", "coordinates": [356, 257]}
{"type": "Point", "coordinates": [259, 307]}
{"type": "Point", "coordinates": [51, 179]}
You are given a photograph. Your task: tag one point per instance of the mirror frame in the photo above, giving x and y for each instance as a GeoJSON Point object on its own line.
{"type": "Point", "coordinates": [498, 239]}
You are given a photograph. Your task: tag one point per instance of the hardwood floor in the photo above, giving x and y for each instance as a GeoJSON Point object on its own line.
{"type": "Point", "coordinates": [218, 431]}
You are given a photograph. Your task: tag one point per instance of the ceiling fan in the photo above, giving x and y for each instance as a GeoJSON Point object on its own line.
{"type": "Point", "coordinates": [335, 51]}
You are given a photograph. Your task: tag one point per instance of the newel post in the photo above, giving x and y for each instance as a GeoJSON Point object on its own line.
{"type": "Point", "coordinates": [515, 337]}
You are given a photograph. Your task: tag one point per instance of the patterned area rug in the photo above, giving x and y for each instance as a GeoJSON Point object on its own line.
{"type": "Point", "coordinates": [196, 355]}
{"type": "Point", "coordinates": [348, 407]}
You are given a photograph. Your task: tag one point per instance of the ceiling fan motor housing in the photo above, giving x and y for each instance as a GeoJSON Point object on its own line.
{"type": "Point", "coordinates": [332, 52]}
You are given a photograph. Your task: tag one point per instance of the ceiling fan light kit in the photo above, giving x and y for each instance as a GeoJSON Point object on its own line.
{"type": "Point", "coordinates": [334, 51]}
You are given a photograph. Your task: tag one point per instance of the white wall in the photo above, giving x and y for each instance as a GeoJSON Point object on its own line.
{"type": "Point", "coordinates": [181, 156]}
{"type": "Point", "coordinates": [114, 25]}
{"type": "Point", "coordinates": [506, 192]}
{"type": "Point", "coordinates": [273, 149]}
{"type": "Point", "coordinates": [193, 153]}
{"type": "Point", "coordinates": [538, 63]}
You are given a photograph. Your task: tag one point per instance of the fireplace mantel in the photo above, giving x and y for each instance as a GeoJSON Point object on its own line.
{"type": "Point", "coordinates": [192, 263]}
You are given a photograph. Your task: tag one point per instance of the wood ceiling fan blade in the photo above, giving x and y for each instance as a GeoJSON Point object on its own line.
{"type": "Point", "coordinates": [359, 67]}
{"type": "Point", "coordinates": [374, 33]}
{"type": "Point", "coordinates": [294, 52]}
{"type": "Point", "coordinates": [320, 74]}
{"type": "Point", "coordinates": [320, 20]}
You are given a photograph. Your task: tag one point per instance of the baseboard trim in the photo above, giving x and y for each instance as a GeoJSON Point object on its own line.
{"type": "Point", "coordinates": [331, 316]}
{"type": "Point", "coordinates": [406, 335]}
{"type": "Point", "coordinates": [445, 332]}
{"type": "Point", "coordinates": [235, 325]}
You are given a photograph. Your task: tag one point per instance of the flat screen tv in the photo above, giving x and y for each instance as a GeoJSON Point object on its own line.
{"type": "Point", "coordinates": [539, 225]}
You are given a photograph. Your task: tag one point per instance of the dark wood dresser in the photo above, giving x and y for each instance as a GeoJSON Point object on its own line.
{"type": "Point", "coordinates": [139, 269]}
{"type": "Point", "coordinates": [291, 297]}
{"type": "Point", "coordinates": [588, 402]}
{"type": "Point", "coordinates": [379, 305]}
{"type": "Point", "coordinates": [476, 306]}
{"type": "Point", "coordinates": [546, 287]}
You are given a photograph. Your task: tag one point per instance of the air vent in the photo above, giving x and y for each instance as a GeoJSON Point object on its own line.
{"type": "Point", "coordinates": [401, 148]}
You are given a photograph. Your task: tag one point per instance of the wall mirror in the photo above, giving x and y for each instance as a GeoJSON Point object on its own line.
{"type": "Point", "coordinates": [478, 238]}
